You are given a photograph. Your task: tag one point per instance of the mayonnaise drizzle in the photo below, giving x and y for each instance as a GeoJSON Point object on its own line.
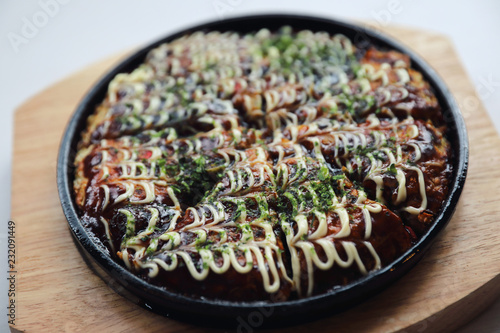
{"type": "Point", "coordinates": [193, 93]}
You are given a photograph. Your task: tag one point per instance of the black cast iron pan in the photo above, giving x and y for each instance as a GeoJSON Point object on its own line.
{"type": "Point", "coordinates": [257, 314]}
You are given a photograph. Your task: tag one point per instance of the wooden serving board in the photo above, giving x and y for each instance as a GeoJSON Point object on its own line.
{"type": "Point", "coordinates": [57, 292]}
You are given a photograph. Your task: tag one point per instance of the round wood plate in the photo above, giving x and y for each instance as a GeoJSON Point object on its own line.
{"type": "Point", "coordinates": [459, 276]}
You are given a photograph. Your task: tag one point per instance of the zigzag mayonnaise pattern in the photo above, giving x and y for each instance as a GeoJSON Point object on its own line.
{"type": "Point", "coordinates": [277, 153]}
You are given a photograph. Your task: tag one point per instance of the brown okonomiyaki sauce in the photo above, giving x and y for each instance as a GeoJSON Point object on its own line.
{"type": "Point", "coordinates": [264, 166]}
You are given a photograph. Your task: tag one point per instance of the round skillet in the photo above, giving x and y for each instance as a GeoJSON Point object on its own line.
{"type": "Point", "coordinates": [231, 314]}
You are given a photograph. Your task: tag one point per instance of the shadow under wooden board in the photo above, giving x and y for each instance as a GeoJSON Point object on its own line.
{"type": "Point", "coordinates": [57, 292]}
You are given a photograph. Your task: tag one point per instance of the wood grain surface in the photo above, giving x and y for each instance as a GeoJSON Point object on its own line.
{"type": "Point", "coordinates": [57, 292]}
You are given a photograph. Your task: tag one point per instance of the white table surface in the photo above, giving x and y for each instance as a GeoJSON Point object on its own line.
{"type": "Point", "coordinates": [76, 33]}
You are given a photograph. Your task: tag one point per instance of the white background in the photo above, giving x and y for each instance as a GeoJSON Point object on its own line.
{"type": "Point", "coordinates": [78, 33]}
